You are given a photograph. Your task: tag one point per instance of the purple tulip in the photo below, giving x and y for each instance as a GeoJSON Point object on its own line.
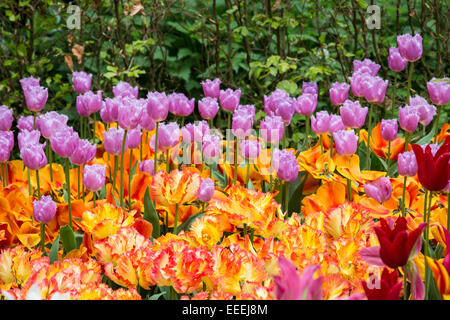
{"type": "Point", "coordinates": [285, 165]}
{"type": "Point", "coordinates": [374, 89]}
{"type": "Point", "coordinates": [439, 91]}
{"type": "Point", "coordinates": [112, 140]}
{"type": "Point", "coordinates": [84, 152]}
{"type": "Point", "coordinates": [6, 145]}
{"type": "Point", "coordinates": [279, 103]}
{"type": "Point", "coordinates": [64, 142]}
{"type": "Point", "coordinates": [249, 109]}
{"type": "Point", "coordinates": [146, 122]}
{"type": "Point", "coordinates": [124, 89]}
{"type": "Point", "coordinates": [44, 210]}
{"type": "Point", "coordinates": [211, 146]}
{"type": "Point", "coordinates": [49, 122]}
{"type": "Point", "coordinates": [357, 81]}
{"type": "Point", "coordinates": [81, 81]}
{"type": "Point", "coordinates": [395, 60]}
{"type": "Point", "coordinates": [272, 129]}
{"type": "Point", "coordinates": [229, 99]}
{"type": "Point", "coordinates": [407, 164]}
{"type": "Point", "coordinates": [336, 123]}
{"type": "Point", "coordinates": [147, 166]}
{"type": "Point", "coordinates": [320, 123]}
{"type": "Point", "coordinates": [339, 93]}
{"type": "Point", "coordinates": [195, 132]}
{"type": "Point", "coordinates": [168, 136]}
{"type": "Point", "coordinates": [33, 156]}
{"type": "Point", "coordinates": [129, 113]}
{"type": "Point", "coordinates": [134, 138]}
{"type": "Point", "coordinates": [25, 123]}
{"type": "Point", "coordinates": [310, 87]}
{"type": "Point", "coordinates": [410, 47]}
{"type": "Point", "coordinates": [94, 176]}
{"type": "Point", "coordinates": [180, 105]}
{"type": "Point", "coordinates": [206, 190]}
{"type": "Point", "coordinates": [208, 107]}
{"type": "Point", "coordinates": [110, 110]}
{"type": "Point", "coordinates": [408, 117]}
{"type": "Point", "coordinates": [352, 114]}
{"type": "Point", "coordinates": [211, 88]}
{"type": "Point", "coordinates": [6, 118]}
{"type": "Point", "coordinates": [346, 142]}
{"type": "Point", "coordinates": [250, 149]}
{"type": "Point", "coordinates": [426, 111]}
{"type": "Point", "coordinates": [379, 189]}
{"type": "Point", "coordinates": [366, 66]}
{"type": "Point", "coordinates": [28, 137]}
{"type": "Point", "coordinates": [158, 106]}
{"type": "Point", "coordinates": [242, 123]}
{"type": "Point", "coordinates": [29, 82]}
{"type": "Point", "coordinates": [389, 129]}
{"type": "Point", "coordinates": [35, 97]}
{"type": "Point", "coordinates": [89, 103]}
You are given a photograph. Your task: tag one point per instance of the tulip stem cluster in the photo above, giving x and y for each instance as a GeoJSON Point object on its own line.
{"type": "Point", "coordinates": [124, 141]}
{"type": "Point", "coordinates": [67, 167]}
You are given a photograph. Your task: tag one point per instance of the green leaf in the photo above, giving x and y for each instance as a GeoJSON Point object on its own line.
{"type": "Point", "coordinates": [288, 86]}
{"type": "Point", "coordinates": [53, 254]}
{"type": "Point", "coordinates": [150, 214]}
{"type": "Point", "coordinates": [68, 238]}
{"type": "Point", "coordinates": [295, 198]}
{"type": "Point", "coordinates": [426, 139]}
{"type": "Point", "coordinates": [156, 296]}
{"type": "Point", "coordinates": [188, 222]}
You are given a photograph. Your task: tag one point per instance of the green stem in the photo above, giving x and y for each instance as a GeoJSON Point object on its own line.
{"type": "Point", "coordinates": [229, 120]}
{"type": "Point", "coordinates": [248, 174]}
{"type": "Point", "coordinates": [79, 182]}
{"type": "Point", "coordinates": [95, 120]}
{"type": "Point", "coordinates": [427, 237]}
{"type": "Point", "coordinates": [38, 184]}
{"type": "Point", "coordinates": [271, 178]}
{"type": "Point", "coordinates": [369, 133]}
{"type": "Point", "coordinates": [389, 157]}
{"type": "Point", "coordinates": [411, 68]}
{"type": "Point", "coordinates": [236, 140]}
{"type": "Point", "coordinates": [67, 167]}
{"type": "Point", "coordinates": [141, 146]}
{"type": "Point", "coordinates": [156, 149]}
{"type": "Point", "coordinates": [30, 193]}
{"type": "Point", "coordinates": [3, 175]}
{"type": "Point", "coordinates": [116, 167]}
{"type": "Point", "coordinates": [307, 130]}
{"type": "Point", "coordinates": [286, 196]}
{"type": "Point", "coordinates": [129, 178]}
{"type": "Point", "coordinates": [404, 197]}
{"type": "Point", "coordinates": [436, 126]}
{"type": "Point", "coordinates": [94, 195]}
{"type": "Point", "coordinates": [81, 126]}
{"type": "Point", "coordinates": [175, 224]}
{"type": "Point", "coordinates": [321, 143]}
{"type": "Point", "coordinates": [50, 160]}
{"type": "Point", "coordinates": [349, 190]}
{"type": "Point", "coordinates": [43, 238]}
{"type": "Point", "coordinates": [122, 166]}
{"type": "Point", "coordinates": [405, 294]}
{"type": "Point", "coordinates": [394, 89]}
{"type": "Point", "coordinates": [6, 173]}
{"type": "Point", "coordinates": [331, 147]}
{"type": "Point", "coordinates": [168, 161]}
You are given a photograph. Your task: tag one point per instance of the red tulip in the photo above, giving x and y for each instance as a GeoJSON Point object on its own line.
{"type": "Point", "coordinates": [397, 245]}
{"type": "Point", "coordinates": [386, 288]}
{"type": "Point", "coordinates": [433, 170]}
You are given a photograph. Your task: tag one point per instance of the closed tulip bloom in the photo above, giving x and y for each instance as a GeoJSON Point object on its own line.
{"type": "Point", "coordinates": [374, 89]}
{"type": "Point", "coordinates": [180, 105]}
{"type": "Point", "coordinates": [28, 137]}
{"type": "Point", "coordinates": [64, 142]}
{"type": "Point", "coordinates": [408, 117]}
{"type": "Point", "coordinates": [208, 107]}
{"type": "Point", "coordinates": [320, 122]}
{"type": "Point", "coordinates": [35, 97]}
{"type": "Point", "coordinates": [271, 102]}
{"type": "Point", "coordinates": [407, 164]}
{"type": "Point", "coordinates": [130, 111]}
{"type": "Point", "coordinates": [439, 91]}
{"type": "Point", "coordinates": [249, 109]}
{"type": "Point", "coordinates": [89, 103]}
{"type": "Point", "coordinates": [357, 81]}
{"type": "Point", "coordinates": [146, 122]}
{"type": "Point", "coordinates": [6, 118]}
{"type": "Point", "coordinates": [272, 129]}
{"type": "Point", "coordinates": [346, 142]}
{"type": "Point", "coordinates": [211, 146]}
{"type": "Point", "coordinates": [25, 123]}
{"type": "Point", "coordinates": [124, 89]}
{"type": "Point", "coordinates": [389, 129]}
{"type": "Point", "coordinates": [336, 123]}
{"type": "Point", "coordinates": [310, 87]}
{"type": "Point", "coordinates": [229, 99]}
{"type": "Point", "coordinates": [352, 114]}
{"type": "Point", "coordinates": [366, 66]}
{"type": "Point", "coordinates": [158, 105]}
{"type": "Point", "coordinates": [285, 165]}
{"type": "Point", "coordinates": [6, 145]}
{"type": "Point", "coordinates": [211, 88]}
{"type": "Point", "coordinates": [195, 132]}
{"type": "Point", "coordinates": [44, 210]}
{"type": "Point", "coordinates": [110, 110]}
{"type": "Point", "coordinates": [339, 93]}
{"type": "Point", "coordinates": [29, 82]}
{"type": "Point", "coordinates": [379, 189]}
{"type": "Point", "coordinates": [395, 60]}
{"type": "Point", "coordinates": [147, 166]}
{"type": "Point", "coordinates": [134, 138]}
{"type": "Point", "coordinates": [286, 109]}
{"type": "Point", "coordinates": [112, 140]}
{"type": "Point", "coordinates": [250, 149]}
{"type": "Point", "coordinates": [206, 190]}
{"type": "Point", "coordinates": [33, 156]}
{"type": "Point", "coordinates": [94, 177]}
{"type": "Point", "coordinates": [84, 152]}
{"type": "Point", "coordinates": [242, 123]}
{"type": "Point", "coordinates": [81, 81]}
{"type": "Point", "coordinates": [49, 122]}
{"type": "Point", "coordinates": [168, 136]}
{"type": "Point", "coordinates": [410, 47]}
{"type": "Point", "coordinates": [426, 111]}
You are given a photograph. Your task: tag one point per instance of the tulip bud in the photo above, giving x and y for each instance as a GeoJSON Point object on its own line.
{"type": "Point", "coordinates": [208, 107]}
{"type": "Point", "coordinates": [407, 164]}
{"type": "Point", "coordinates": [130, 111]}
{"type": "Point", "coordinates": [35, 97]}
{"type": "Point", "coordinates": [389, 129]}
{"type": "Point", "coordinates": [320, 123]}
{"type": "Point", "coordinates": [84, 152]}
{"type": "Point", "coordinates": [29, 82]}
{"type": "Point", "coordinates": [124, 89]}
{"type": "Point", "coordinates": [26, 123]}
{"type": "Point", "coordinates": [374, 89]}
{"type": "Point", "coordinates": [272, 129]}
{"type": "Point", "coordinates": [339, 93]}
{"type": "Point", "coordinates": [134, 138]}
{"type": "Point", "coordinates": [439, 91]}
{"type": "Point", "coordinates": [211, 88]}
{"type": "Point", "coordinates": [366, 66]}
{"type": "Point", "coordinates": [229, 99]}
{"type": "Point", "coordinates": [112, 140]}
{"type": "Point", "coordinates": [81, 81]}
{"type": "Point", "coordinates": [89, 103]}
{"type": "Point", "coordinates": [285, 165]}
{"type": "Point", "coordinates": [28, 137]}
{"type": "Point", "coordinates": [44, 210]}
{"type": "Point", "coordinates": [250, 149]}
{"type": "Point", "coordinates": [6, 118]}
{"type": "Point", "coordinates": [147, 166]}
{"type": "Point", "coordinates": [6, 145]}
{"type": "Point", "coordinates": [410, 47]}
{"type": "Point", "coordinates": [168, 136]}
{"type": "Point", "coordinates": [180, 105]}
{"type": "Point", "coordinates": [206, 190]}
{"type": "Point", "coordinates": [49, 122]}
{"type": "Point", "coordinates": [64, 142]}
{"type": "Point", "coordinates": [211, 146]}
{"type": "Point", "coordinates": [310, 87]}
{"type": "Point", "coordinates": [395, 60]}
{"type": "Point", "coordinates": [94, 176]}
{"type": "Point", "coordinates": [379, 189]}
{"type": "Point", "coordinates": [408, 117]}
{"type": "Point", "coordinates": [306, 104]}
{"type": "Point", "coordinates": [346, 142]}
{"type": "Point", "coordinates": [157, 106]}
{"type": "Point", "coordinates": [110, 110]}
{"type": "Point", "coordinates": [33, 156]}
{"type": "Point", "coordinates": [352, 114]}
{"type": "Point", "coordinates": [426, 111]}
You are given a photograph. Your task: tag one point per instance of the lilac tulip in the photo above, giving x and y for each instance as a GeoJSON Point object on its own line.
{"type": "Point", "coordinates": [28, 137]}
{"type": "Point", "coordinates": [426, 111]}
{"type": "Point", "coordinates": [366, 66]}
{"type": "Point", "coordinates": [374, 89]}
{"type": "Point", "coordinates": [407, 164]}
{"type": "Point", "coordinates": [49, 122]}
{"type": "Point", "coordinates": [208, 107]}
{"type": "Point", "coordinates": [389, 129]}
{"type": "Point", "coordinates": [250, 149]}
{"type": "Point", "coordinates": [81, 81]}
{"type": "Point", "coordinates": [89, 103]}
{"type": "Point", "coordinates": [64, 141]}
{"type": "Point", "coordinates": [357, 81]}
{"type": "Point", "coordinates": [146, 122]}
{"type": "Point", "coordinates": [112, 140]}
{"type": "Point", "coordinates": [242, 123]}
{"type": "Point", "coordinates": [395, 60]}
{"type": "Point", "coordinates": [320, 122]}
{"type": "Point", "coordinates": [124, 89]}
{"type": "Point", "coordinates": [168, 137]}
{"type": "Point", "coordinates": [408, 117]}
{"type": "Point", "coordinates": [6, 118]}
{"type": "Point", "coordinates": [211, 146]}
{"type": "Point", "coordinates": [310, 87]}
{"type": "Point", "coordinates": [25, 123]}
{"type": "Point", "coordinates": [206, 191]}
{"type": "Point", "coordinates": [195, 132]}
{"type": "Point", "coordinates": [44, 210]}
{"type": "Point", "coordinates": [272, 129]}
{"type": "Point", "coordinates": [410, 47]}
{"type": "Point", "coordinates": [33, 156]}
{"type": "Point", "coordinates": [379, 189]}
{"type": "Point", "coordinates": [35, 97]}
{"type": "Point", "coordinates": [335, 124]}
{"type": "Point", "coordinates": [84, 152]}
{"type": "Point", "coordinates": [211, 88]}
{"type": "Point", "coordinates": [129, 113]}
{"type": "Point", "coordinates": [229, 99]}
{"type": "Point", "coordinates": [6, 145]}
{"type": "Point", "coordinates": [346, 142]}
{"type": "Point", "coordinates": [439, 91]}
{"type": "Point", "coordinates": [147, 166]}
{"type": "Point", "coordinates": [110, 110]}
{"type": "Point", "coordinates": [29, 82]}
{"type": "Point", "coordinates": [279, 103]}
{"type": "Point", "coordinates": [352, 114]}
{"type": "Point", "coordinates": [94, 177]}
{"type": "Point", "coordinates": [339, 93]}
{"type": "Point", "coordinates": [285, 165]}
{"type": "Point", "coordinates": [306, 104]}
{"type": "Point", "coordinates": [133, 139]}
{"type": "Point", "coordinates": [180, 105]}
{"type": "Point", "coordinates": [158, 106]}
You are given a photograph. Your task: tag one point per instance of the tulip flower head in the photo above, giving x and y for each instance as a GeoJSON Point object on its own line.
{"type": "Point", "coordinates": [35, 97]}
{"type": "Point", "coordinates": [439, 91]}
{"type": "Point", "coordinates": [407, 164]}
{"type": "Point", "coordinates": [410, 47]}
{"type": "Point", "coordinates": [6, 118]}
{"type": "Point", "coordinates": [146, 122]}
{"type": "Point", "coordinates": [44, 210]}
{"type": "Point", "coordinates": [379, 189]}
{"type": "Point", "coordinates": [395, 60]}
{"type": "Point", "coordinates": [208, 107]}
{"type": "Point", "coordinates": [229, 99]}
{"type": "Point", "coordinates": [180, 105]}
{"type": "Point", "coordinates": [285, 165]}
{"type": "Point", "coordinates": [25, 123]}
{"type": "Point", "coordinates": [195, 132]}
{"type": "Point", "coordinates": [389, 129]}
{"type": "Point", "coordinates": [388, 287]}
{"type": "Point", "coordinates": [49, 122]}
{"type": "Point", "coordinates": [408, 118]}
{"type": "Point", "coordinates": [94, 177]}
{"type": "Point", "coordinates": [64, 142]}
{"type": "Point", "coordinates": [426, 111]}
{"type": "Point", "coordinates": [129, 113]}
{"type": "Point", "coordinates": [211, 146]}
{"type": "Point", "coordinates": [89, 103]}
{"type": "Point", "coordinates": [306, 104]}
{"type": "Point", "coordinates": [147, 166]}
{"type": "Point", "coordinates": [339, 93]}
{"type": "Point", "coordinates": [211, 88]}
{"type": "Point", "coordinates": [279, 103]}
{"type": "Point", "coordinates": [81, 81]}
{"type": "Point", "coordinates": [366, 66]}
{"type": "Point", "coordinates": [134, 138]}
{"type": "Point", "coordinates": [112, 140]}
{"type": "Point", "coordinates": [206, 190]}
{"type": "Point", "coordinates": [157, 106]}
{"type": "Point", "coordinates": [336, 123]}
{"type": "Point", "coordinates": [29, 82]}
{"type": "Point", "coordinates": [33, 156]}
{"type": "Point", "coordinates": [242, 122]}
{"type": "Point", "coordinates": [250, 149]}
{"type": "Point", "coordinates": [110, 110]}
{"type": "Point", "coordinates": [124, 89]}
{"type": "Point", "coordinates": [352, 114]}
{"type": "Point", "coordinates": [374, 89]}
{"type": "Point", "coordinates": [320, 122]}
{"type": "Point", "coordinates": [168, 137]}
{"type": "Point", "coordinates": [84, 152]}
{"type": "Point", "coordinates": [28, 137]}
{"type": "Point", "coordinates": [310, 87]}
{"type": "Point", "coordinates": [346, 142]}
{"type": "Point", "coordinates": [6, 145]}
{"type": "Point", "coordinates": [272, 129]}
